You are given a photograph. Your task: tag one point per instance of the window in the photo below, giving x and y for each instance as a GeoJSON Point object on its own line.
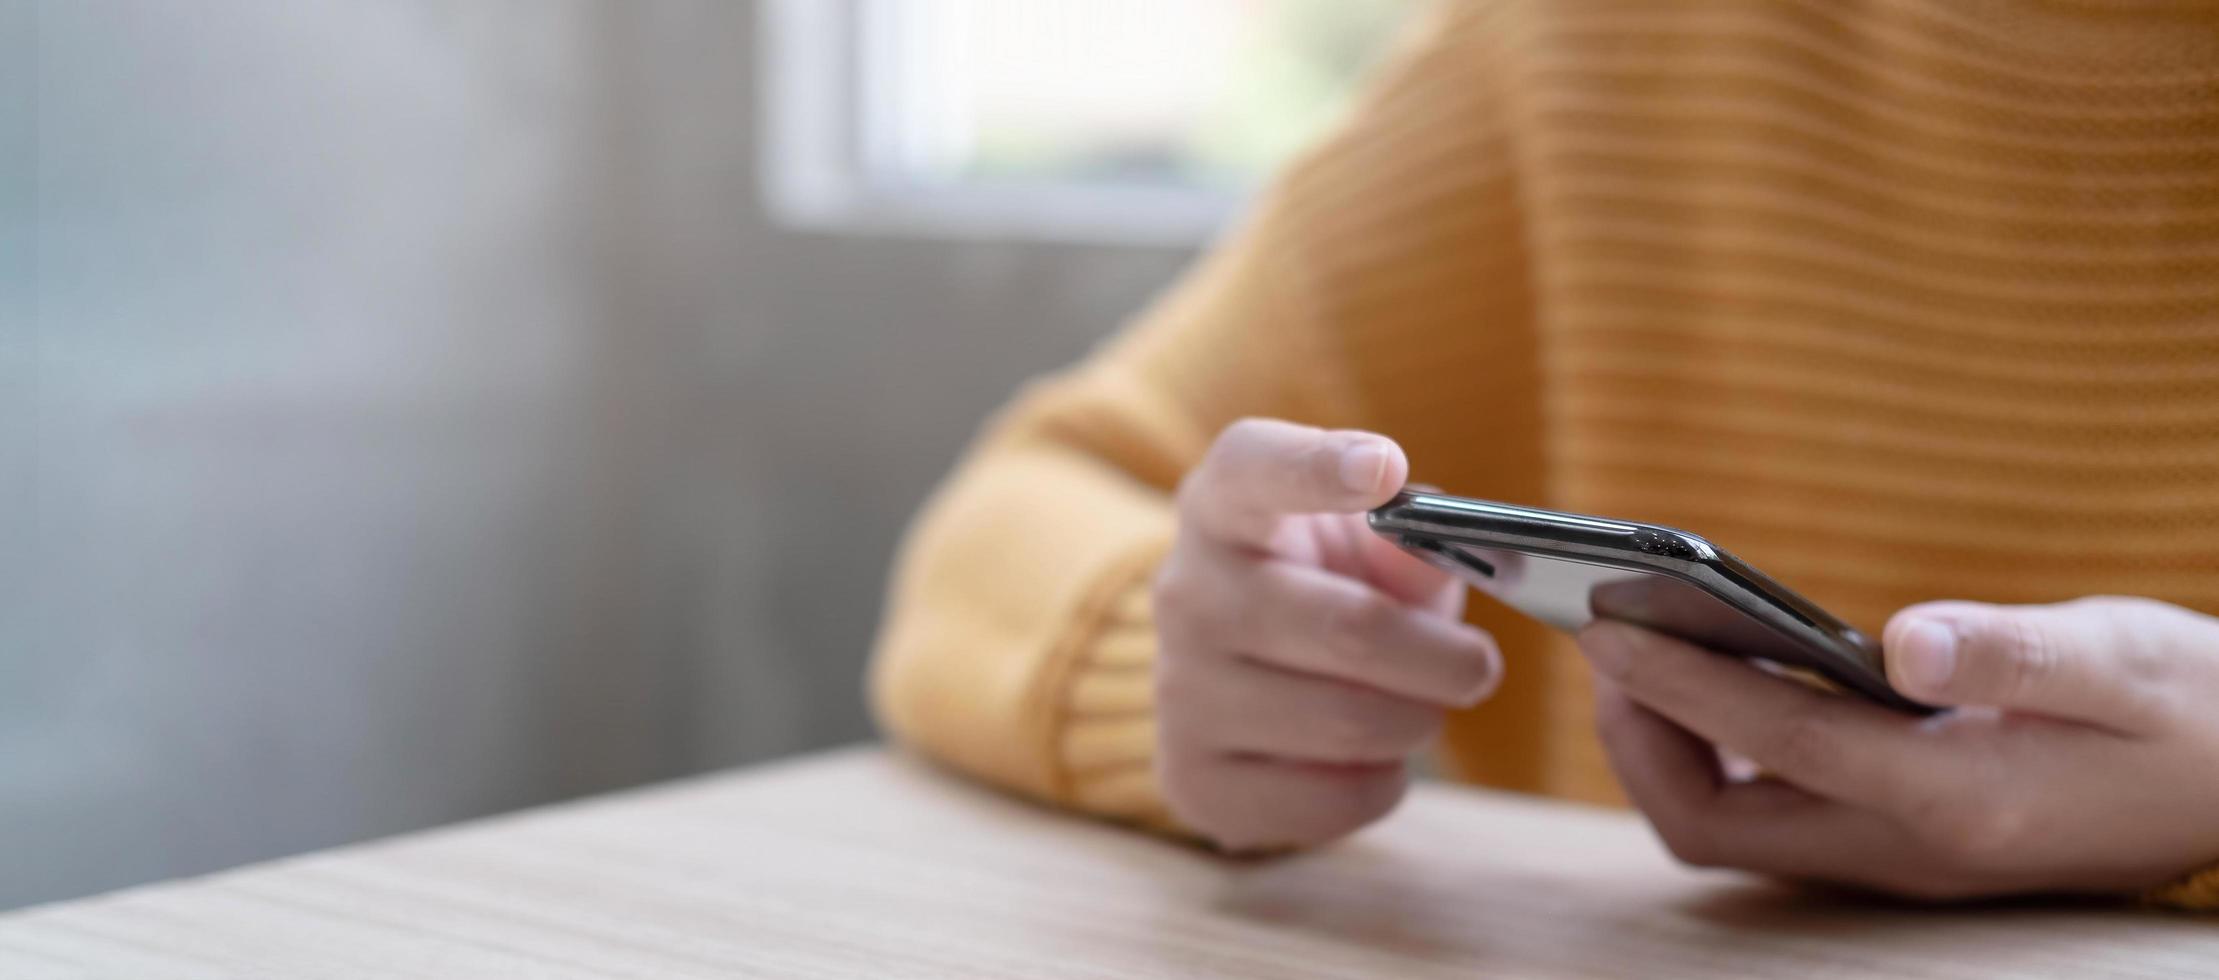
{"type": "Point", "coordinates": [1139, 120]}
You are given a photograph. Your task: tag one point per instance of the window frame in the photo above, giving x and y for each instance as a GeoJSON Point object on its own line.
{"type": "Point", "coordinates": [818, 172]}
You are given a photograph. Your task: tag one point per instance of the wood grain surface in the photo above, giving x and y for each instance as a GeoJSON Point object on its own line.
{"type": "Point", "coordinates": [861, 863]}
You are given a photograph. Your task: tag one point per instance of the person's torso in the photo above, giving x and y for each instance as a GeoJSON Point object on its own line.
{"type": "Point", "coordinates": [1896, 301]}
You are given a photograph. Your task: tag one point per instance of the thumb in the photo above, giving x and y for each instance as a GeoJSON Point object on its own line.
{"type": "Point", "coordinates": [1259, 470]}
{"type": "Point", "coordinates": [2103, 660]}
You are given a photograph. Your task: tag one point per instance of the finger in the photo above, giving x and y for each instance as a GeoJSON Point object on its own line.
{"type": "Point", "coordinates": [1669, 774]}
{"type": "Point", "coordinates": [1763, 826]}
{"type": "Point", "coordinates": [1657, 762]}
{"type": "Point", "coordinates": [1252, 709]}
{"type": "Point", "coordinates": [1245, 803]}
{"type": "Point", "coordinates": [1829, 744]}
{"type": "Point", "coordinates": [1315, 622]}
{"type": "Point", "coordinates": [1346, 544]}
{"type": "Point", "coordinates": [1406, 576]}
{"type": "Point", "coordinates": [2108, 661]}
{"type": "Point", "coordinates": [1262, 469]}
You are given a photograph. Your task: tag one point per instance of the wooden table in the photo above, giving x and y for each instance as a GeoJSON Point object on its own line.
{"type": "Point", "coordinates": [863, 864]}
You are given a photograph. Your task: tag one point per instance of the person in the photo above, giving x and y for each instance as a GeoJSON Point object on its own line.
{"type": "Point", "coordinates": [1913, 305]}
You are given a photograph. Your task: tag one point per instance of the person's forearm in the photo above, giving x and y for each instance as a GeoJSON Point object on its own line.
{"type": "Point", "coordinates": [1017, 578]}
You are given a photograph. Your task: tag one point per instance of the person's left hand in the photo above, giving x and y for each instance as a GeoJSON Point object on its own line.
{"type": "Point", "coordinates": [2083, 754]}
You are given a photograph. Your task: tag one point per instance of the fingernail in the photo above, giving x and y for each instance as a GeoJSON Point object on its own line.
{"type": "Point", "coordinates": [1929, 655]}
{"type": "Point", "coordinates": [1363, 465]}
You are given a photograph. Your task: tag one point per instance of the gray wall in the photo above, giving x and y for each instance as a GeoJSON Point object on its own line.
{"type": "Point", "coordinates": [406, 412]}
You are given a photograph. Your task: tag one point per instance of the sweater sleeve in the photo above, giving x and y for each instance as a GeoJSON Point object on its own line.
{"type": "Point", "coordinates": [1018, 642]}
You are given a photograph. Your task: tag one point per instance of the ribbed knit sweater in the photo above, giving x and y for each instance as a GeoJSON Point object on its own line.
{"type": "Point", "coordinates": [1897, 300]}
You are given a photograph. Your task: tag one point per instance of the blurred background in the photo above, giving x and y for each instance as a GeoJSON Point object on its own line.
{"type": "Point", "coordinates": [416, 409]}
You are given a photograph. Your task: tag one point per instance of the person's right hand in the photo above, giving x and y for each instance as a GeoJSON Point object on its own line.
{"type": "Point", "coordinates": [1302, 659]}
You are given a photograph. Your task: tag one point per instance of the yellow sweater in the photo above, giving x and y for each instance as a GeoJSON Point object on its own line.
{"type": "Point", "coordinates": [1897, 300]}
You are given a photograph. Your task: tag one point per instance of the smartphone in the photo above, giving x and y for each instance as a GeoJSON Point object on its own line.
{"type": "Point", "coordinates": [1567, 570]}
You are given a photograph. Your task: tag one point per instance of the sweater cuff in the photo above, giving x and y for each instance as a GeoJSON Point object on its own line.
{"type": "Point", "coordinates": [1104, 722]}
{"type": "Point", "coordinates": [2198, 892]}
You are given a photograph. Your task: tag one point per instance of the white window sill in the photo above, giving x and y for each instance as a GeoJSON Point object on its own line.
{"type": "Point", "coordinates": [815, 177]}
